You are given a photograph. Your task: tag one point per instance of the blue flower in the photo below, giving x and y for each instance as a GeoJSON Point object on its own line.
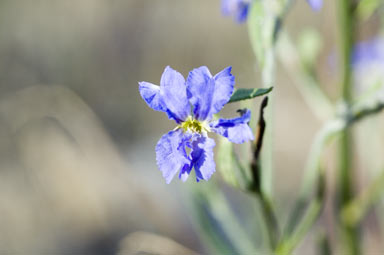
{"type": "Point", "coordinates": [237, 8]}
{"type": "Point", "coordinates": [368, 66]}
{"type": "Point", "coordinates": [369, 51]}
{"type": "Point", "coordinates": [315, 4]}
{"type": "Point", "coordinates": [192, 104]}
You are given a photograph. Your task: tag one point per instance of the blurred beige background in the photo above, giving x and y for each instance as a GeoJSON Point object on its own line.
{"type": "Point", "coordinates": [77, 161]}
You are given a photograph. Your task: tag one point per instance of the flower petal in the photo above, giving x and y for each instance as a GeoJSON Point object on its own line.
{"type": "Point", "coordinates": [169, 97]}
{"type": "Point", "coordinates": [200, 89]}
{"type": "Point", "coordinates": [315, 4]}
{"type": "Point", "coordinates": [242, 12]}
{"type": "Point", "coordinates": [151, 95]}
{"type": "Point", "coordinates": [209, 94]}
{"type": "Point", "coordinates": [224, 83]}
{"type": "Point", "coordinates": [184, 173]}
{"type": "Point", "coordinates": [171, 156]}
{"type": "Point", "coordinates": [236, 130]}
{"type": "Point", "coordinates": [227, 7]}
{"type": "Point", "coordinates": [174, 94]}
{"type": "Point", "coordinates": [238, 8]}
{"type": "Point", "coordinates": [202, 157]}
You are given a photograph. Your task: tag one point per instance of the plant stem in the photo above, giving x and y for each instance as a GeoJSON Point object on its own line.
{"type": "Point", "coordinates": [349, 234]}
{"type": "Point", "coordinates": [262, 25]}
{"type": "Point", "coordinates": [289, 242]}
{"type": "Point", "coordinates": [270, 221]}
{"type": "Point", "coordinates": [359, 206]}
{"type": "Point", "coordinates": [212, 213]}
{"type": "Point", "coordinates": [303, 216]}
{"type": "Point", "coordinates": [268, 74]}
{"type": "Point", "coordinates": [308, 219]}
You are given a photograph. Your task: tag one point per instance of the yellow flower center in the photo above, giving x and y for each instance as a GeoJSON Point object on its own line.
{"type": "Point", "coordinates": [194, 125]}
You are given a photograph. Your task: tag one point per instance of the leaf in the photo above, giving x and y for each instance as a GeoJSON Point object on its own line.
{"type": "Point", "coordinates": [264, 24]}
{"type": "Point", "coordinates": [217, 222]}
{"type": "Point", "coordinates": [303, 217]}
{"type": "Point", "coordinates": [229, 166]}
{"type": "Point", "coordinates": [243, 94]}
{"type": "Point", "coordinates": [256, 32]}
{"type": "Point", "coordinates": [226, 162]}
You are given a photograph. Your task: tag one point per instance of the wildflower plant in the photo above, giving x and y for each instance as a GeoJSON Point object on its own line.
{"type": "Point", "coordinates": [194, 104]}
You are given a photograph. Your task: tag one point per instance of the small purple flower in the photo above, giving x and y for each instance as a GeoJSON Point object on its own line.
{"type": "Point", "coordinates": [192, 104]}
{"type": "Point", "coordinates": [316, 5]}
{"type": "Point", "coordinates": [368, 66]}
{"type": "Point", "coordinates": [369, 51]}
{"type": "Point", "coordinates": [236, 8]}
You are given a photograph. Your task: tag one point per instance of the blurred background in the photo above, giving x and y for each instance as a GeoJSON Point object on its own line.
{"type": "Point", "coordinates": [77, 161]}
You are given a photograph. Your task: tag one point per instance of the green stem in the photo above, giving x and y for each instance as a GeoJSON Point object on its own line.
{"type": "Point", "coordinates": [301, 218]}
{"type": "Point", "coordinates": [209, 202]}
{"type": "Point", "coordinates": [270, 221]}
{"type": "Point", "coordinates": [263, 28]}
{"type": "Point", "coordinates": [311, 215]}
{"type": "Point", "coordinates": [349, 234]}
{"type": "Point", "coordinates": [355, 211]}
{"type": "Point", "coordinates": [267, 152]}
{"type": "Point", "coordinates": [289, 242]}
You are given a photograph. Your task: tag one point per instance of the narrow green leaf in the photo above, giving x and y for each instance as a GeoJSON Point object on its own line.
{"type": "Point", "coordinates": [256, 20]}
{"type": "Point", "coordinates": [264, 23]}
{"type": "Point", "coordinates": [229, 165]}
{"type": "Point", "coordinates": [226, 162]}
{"type": "Point", "coordinates": [217, 223]}
{"type": "Point", "coordinates": [308, 217]}
{"type": "Point", "coordinates": [243, 94]}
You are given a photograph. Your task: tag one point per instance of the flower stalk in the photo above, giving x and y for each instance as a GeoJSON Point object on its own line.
{"type": "Point", "coordinates": [349, 234]}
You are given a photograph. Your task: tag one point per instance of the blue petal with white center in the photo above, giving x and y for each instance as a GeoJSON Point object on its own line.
{"type": "Point", "coordinates": [236, 130]}
{"type": "Point", "coordinates": [171, 156]}
{"type": "Point", "coordinates": [202, 157]}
